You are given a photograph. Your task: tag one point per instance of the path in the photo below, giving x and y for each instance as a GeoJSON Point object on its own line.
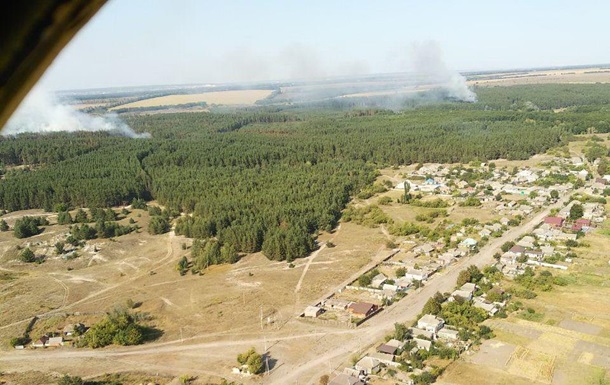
{"type": "Point", "coordinates": [305, 368]}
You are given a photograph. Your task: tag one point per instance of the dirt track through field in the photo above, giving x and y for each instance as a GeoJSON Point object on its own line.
{"type": "Point", "coordinates": [333, 346]}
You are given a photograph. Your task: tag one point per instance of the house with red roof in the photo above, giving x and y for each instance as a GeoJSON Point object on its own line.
{"type": "Point", "coordinates": [554, 221]}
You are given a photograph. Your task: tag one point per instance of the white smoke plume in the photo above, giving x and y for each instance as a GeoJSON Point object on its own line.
{"type": "Point", "coordinates": [430, 68]}
{"type": "Point", "coordinates": [40, 112]}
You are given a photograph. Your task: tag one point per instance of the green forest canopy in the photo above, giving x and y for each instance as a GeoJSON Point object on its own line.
{"type": "Point", "coordinates": [268, 179]}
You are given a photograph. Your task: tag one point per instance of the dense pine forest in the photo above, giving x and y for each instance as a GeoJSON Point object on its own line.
{"type": "Point", "coordinates": [269, 178]}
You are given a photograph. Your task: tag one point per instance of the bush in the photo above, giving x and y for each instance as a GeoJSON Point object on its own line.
{"type": "Point", "coordinates": [384, 201]}
{"type": "Point", "coordinates": [27, 256]}
{"type": "Point", "coordinates": [471, 202]}
{"type": "Point", "coordinates": [253, 360]}
{"type": "Point", "coordinates": [364, 280]}
{"type": "Point", "coordinates": [391, 244]}
{"type": "Point", "coordinates": [507, 246]}
{"type": "Point", "coordinates": [15, 341]}
{"type": "Point", "coordinates": [70, 380]}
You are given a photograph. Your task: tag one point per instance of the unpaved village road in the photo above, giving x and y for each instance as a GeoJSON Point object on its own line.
{"type": "Point", "coordinates": [303, 353]}
{"type": "Point", "coordinates": [406, 309]}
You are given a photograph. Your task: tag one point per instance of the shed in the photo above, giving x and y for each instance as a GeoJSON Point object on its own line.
{"type": "Point", "coordinates": [55, 341]}
{"type": "Point", "coordinates": [313, 311]}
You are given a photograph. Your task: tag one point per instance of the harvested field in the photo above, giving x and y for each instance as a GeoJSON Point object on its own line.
{"type": "Point", "coordinates": [241, 97]}
{"type": "Point", "coordinates": [581, 327]}
{"type": "Point", "coordinates": [568, 76]}
{"type": "Point", "coordinates": [495, 354]}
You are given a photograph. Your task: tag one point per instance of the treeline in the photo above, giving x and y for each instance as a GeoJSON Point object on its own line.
{"type": "Point", "coordinates": [270, 179]}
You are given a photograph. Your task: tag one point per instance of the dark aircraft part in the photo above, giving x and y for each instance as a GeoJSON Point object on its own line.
{"type": "Point", "coordinates": [32, 33]}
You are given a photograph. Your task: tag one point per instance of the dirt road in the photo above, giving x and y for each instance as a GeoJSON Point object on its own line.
{"type": "Point", "coordinates": [304, 353]}
{"type": "Point", "coordinates": [407, 309]}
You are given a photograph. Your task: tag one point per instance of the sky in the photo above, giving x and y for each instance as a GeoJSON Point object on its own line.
{"type": "Point", "coordinates": [160, 42]}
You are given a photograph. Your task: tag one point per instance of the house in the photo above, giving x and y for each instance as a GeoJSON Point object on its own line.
{"type": "Point", "coordinates": [462, 294]}
{"type": "Point", "coordinates": [490, 308]}
{"type": "Point", "coordinates": [426, 249]}
{"type": "Point", "coordinates": [484, 233]}
{"type": "Point", "coordinates": [508, 259]}
{"type": "Point", "coordinates": [469, 287]}
{"type": "Point", "coordinates": [517, 250]}
{"type": "Point", "coordinates": [416, 332]}
{"type": "Point", "coordinates": [468, 242]}
{"type": "Point", "coordinates": [448, 334]}
{"type": "Point", "coordinates": [55, 341]}
{"type": "Point", "coordinates": [494, 227]}
{"type": "Point", "coordinates": [527, 241]}
{"type": "Point", "coordinates": [383, 358]}
{"type": "Point", "coordinates": [423, 344]}
{"type": "Point", "coordinates": [556, 222]}
{"type": "Point", "coordinates": [430, 323]}
{"type": "Point", "coordinates": [565, 236]}
{"type": "Point", "coordinates": [386, 349]}
{"type": "Point", "coordinates": [344, 379]}
{"type": "Point", "coordinates": [416, 275]}
{"type": "Point", "coordinates": [547, 250]}
{"type": "Point", "coordinates": [362, 309]}
{"type": "Point", "coordinates": [390, 289]}
{"type": "Point", "coordinates": [353, 372]}
{"type": "Point", "coordinates": [378, 280]}
{"type": "Point", "coordinates": [582, 174]}
{"type": "Point", "coordinates": [583, 222]}
{"type": "Point", "coordinates": [534, 254]}
{"type": "Point", "coordinates": [397, 344]}
{"type": "Point", "coordinates": [403, 283]}
{"type": "Point", "coordinates": [40, 343]}
{"type": "Point", "coordinates": [313, 311]}
{"type": "Point", "coordinates": [466, 291]}
{"type": "Point", "coordinates": [368, 365]}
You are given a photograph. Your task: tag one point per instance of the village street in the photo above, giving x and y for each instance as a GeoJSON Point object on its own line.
{"type": "Point", "coordinates": [333, 347]}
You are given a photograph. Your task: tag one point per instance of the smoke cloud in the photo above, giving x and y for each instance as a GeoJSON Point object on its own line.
{"type": "Point", "coordinates": [430, 68]}
{"type": "Point", "coordinates": [40, 112]}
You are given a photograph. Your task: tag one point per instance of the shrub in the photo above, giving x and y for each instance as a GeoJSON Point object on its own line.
{"type": "Point", "coordinates": [27, 255]}
{"type": "Point", "coordinates": [70, 380]}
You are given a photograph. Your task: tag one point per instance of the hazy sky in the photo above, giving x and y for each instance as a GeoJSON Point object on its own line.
{"type": "Point", "coordinates": [146, 42]}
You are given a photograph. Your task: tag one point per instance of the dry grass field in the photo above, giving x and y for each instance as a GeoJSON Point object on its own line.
{"type": "Point", "coordinates": [225, 303]}
{"type": "Point", "coordinates": [580, 75]}
{"type": "Point", "coordinates": [240, 97]}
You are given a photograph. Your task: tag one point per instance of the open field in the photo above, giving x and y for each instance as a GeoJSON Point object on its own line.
{"type": "Point", "coordinates": [579, 75]}
{"type": "Point", "coordinates": [226, 303]}
{"type": "Point", "coordinates": [214, 335]}
{"type": "Point", "coordinates": [241, 97]}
